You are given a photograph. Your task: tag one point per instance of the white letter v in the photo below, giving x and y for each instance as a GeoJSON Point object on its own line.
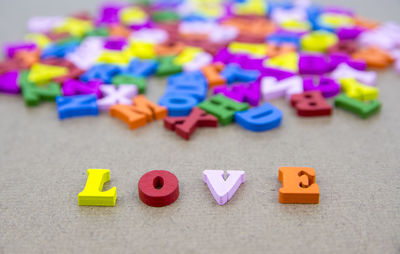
{"type": "Point", "coordinates": [223, 190]}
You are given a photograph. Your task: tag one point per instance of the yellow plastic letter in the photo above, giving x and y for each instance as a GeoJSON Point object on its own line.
{"type": "Point", "coordinates": [93, 195]}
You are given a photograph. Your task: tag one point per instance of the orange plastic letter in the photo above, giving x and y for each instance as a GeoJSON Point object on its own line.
{"type": "Point", "coordinates": [298, 186]}
{"type": "Point", "coordinates": [142, 112]}
{"type": "Point", "coordinates": [212, 74]}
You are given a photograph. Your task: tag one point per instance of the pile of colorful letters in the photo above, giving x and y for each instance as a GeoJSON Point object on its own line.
{"type": "Point", "coordinates": [224, 61]}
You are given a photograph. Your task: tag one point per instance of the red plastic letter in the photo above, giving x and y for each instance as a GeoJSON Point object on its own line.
{"type": "Point", "coordinates": [310, 104]}
{"type": "Point", "coordinates": [185, 126]}
{"type": "Point", "coordinates": [158, 188]}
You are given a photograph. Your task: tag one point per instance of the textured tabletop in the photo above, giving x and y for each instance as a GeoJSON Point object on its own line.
{"type": "Point", "coordinates": [43, 163]}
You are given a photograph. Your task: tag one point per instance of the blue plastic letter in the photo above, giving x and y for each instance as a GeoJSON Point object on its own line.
{"type": "Point", "coordinates": [262, 118]}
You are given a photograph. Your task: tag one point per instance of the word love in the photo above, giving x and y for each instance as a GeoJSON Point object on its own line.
{"type": "Point", "coordinates": [159, 188]}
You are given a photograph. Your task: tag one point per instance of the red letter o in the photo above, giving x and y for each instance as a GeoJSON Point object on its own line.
{"type": "Point", "coordinates": [158, 188]}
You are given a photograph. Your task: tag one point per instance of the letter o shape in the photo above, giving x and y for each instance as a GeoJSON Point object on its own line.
{"type": "Point", "coordinates": [158, 188]}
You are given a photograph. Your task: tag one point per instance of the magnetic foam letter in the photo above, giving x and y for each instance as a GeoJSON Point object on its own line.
{"type": "Point", "coordinates": [78, 105]}
{"type": "Point", "coordinates": [122, 94]}
{"type": "Point", "coordinates": [262, 118]}
{"type": "Point", "coordinates": [142, 112]}
{"type": "Point", "coordinates": [93, 195]}
{"type": "Point", "coordinates": [223, 189]}
{"type": "Point", "coordinates": [158, 188]}
{"type": "Point", "coordinates": [310, 104]}
{"type": "Point", "coordinates": [298, 186]}
{"type": "Point", "coordinates": [271, 88]}
{"type": "Point", "coordinates": [223, 108]}
{"type": "Point", "coordinates": [186, 126]}
{"type": "Point", "coordinates": [361, 108]}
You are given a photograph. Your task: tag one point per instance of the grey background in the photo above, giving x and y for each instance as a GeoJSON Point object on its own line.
{"type": "Point", "coordinates": [43, 164]}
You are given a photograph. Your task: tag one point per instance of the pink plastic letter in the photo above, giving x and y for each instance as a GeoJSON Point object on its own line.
{"type": "Point", "coordinates": [223, 190]}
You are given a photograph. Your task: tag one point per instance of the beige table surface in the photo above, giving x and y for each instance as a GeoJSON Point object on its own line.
{"type": "Point", "coordinates": [43, 164]}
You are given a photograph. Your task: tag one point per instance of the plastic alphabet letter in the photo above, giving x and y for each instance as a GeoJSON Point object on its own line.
{"type": "Point", "coordinates": [9, 82]}
{"type": "Point", "coordinates": [142, 112]}
{"type": "Point", "coordinates": [262, 118]}
{"type": "Point", "coordinates": [186, 126]}
{"type": "Point", "coordinates": [195, 89]}
{"type": "Point", "coordinates": [345, 71]}
{"type": "Point", "coordinates": [75, 87]}
{"type": "Point", "coordinates": [298, 186]}
{"type": "Point", "coordinates": [233, 73]}
{"type": "Point", "coordinates": [166, 66]}
{"type": "Point", "coordinates": [313, 64]}
{"type": "Point", "coordinates": [86, 55]}
{"type": "Point", "coordinates": [223, 108]}
{"type": "Point", "coordinates": [242, 93]}
{"type": "Point", "coordinates": [200, 60]}
{"type": "Point", "coordinates": [178, 104]}
{"type": "Point", "coordinates": [33, 94]}
{"type": "Point", "coordinates": [78, 105]}
{"type": "Point", "coordinates": [122, 94]}
{"type": "Point", "coordinates": [223, 189]}
{"type": "Point", "coordinates": [142, 68]}
{"type": "Point", "coordinates": [44, 24]}
{"type": "Point", "coordinates": [93, 195]}
{"type": "Point", "coordinates": [271, 88]}
{"type": "Point", "coordinates": [127, 79]}
{"type": "Point", "coordinates": [356, 90]}
{"type": "Point", "coordinates": [12, 49]}
{"type": "Point", "coordinates": [212, 73]}
{"type": "Point", "coordinates": [361, 108]}
{"type": "Point", "coordinates": [158, 188]}
{"type": "Point", "coordinates": [327, 86]}
{"type": "Point", "coordinates": [40, 73]}
{"type": "Point", "coordinates": [310, 103]}
{"type": "Point", "coordinates": [103, 72]}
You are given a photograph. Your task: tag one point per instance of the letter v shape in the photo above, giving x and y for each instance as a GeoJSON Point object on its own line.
{"type": "Point", "coordinates": [223, 190]}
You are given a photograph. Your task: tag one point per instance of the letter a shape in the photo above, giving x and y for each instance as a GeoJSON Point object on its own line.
{"type": "Point", "coordinates": [298, 186]}
{"type": "Point", "coordinates": [93, 195]}
{"type": "Point", "coordinates": [223, 190]}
